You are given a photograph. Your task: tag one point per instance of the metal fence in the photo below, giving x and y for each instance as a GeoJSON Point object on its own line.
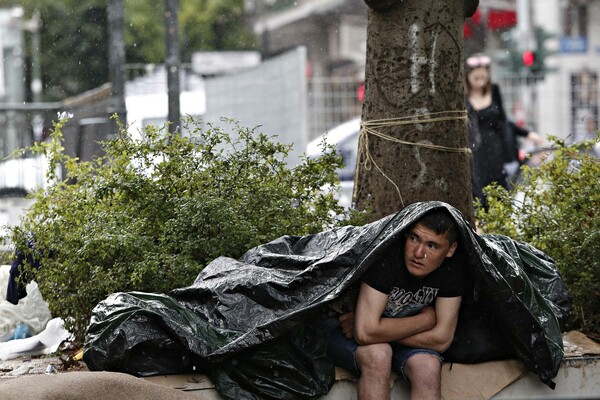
{"type": "Point", "coordinates": [332, 101]}
{"type": "Point", "coordinates": [21, 125]}
{"type": "Point", "coordinates": [569, 110]}
{"type": "Point", "coordinates": [329, 101]}
{"type": "Point", "coordinates": [335, 100]}
{"type": "Point", "coordinates": [519, 95]}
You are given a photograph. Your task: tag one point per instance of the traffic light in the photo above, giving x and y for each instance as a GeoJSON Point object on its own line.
{"type": "Point", "coordinates": [529, 58]}
{"type": "Point", "coordinates": [534, 61]}
{"type": "Point", "coordinates": [531, 66]}
{"type": "Point", "coordinates": [530, 63]}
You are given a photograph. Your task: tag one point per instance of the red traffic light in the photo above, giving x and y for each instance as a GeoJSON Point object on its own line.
{"type": "Point", "coordinates": [528, 58]}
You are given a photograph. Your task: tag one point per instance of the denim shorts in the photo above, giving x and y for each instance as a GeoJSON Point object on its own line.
{"type": "Point", "coordinates": [343, 350]}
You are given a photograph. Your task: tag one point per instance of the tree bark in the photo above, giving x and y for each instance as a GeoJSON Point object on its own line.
{"type": "Point", "coordinates": [414, 83]}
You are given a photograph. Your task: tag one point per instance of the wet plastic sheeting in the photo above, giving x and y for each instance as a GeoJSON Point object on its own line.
{"type": "Point", "coordinates": [126, 326]}
{"type": "Point", "coordinates": [524, 294]}
{"type": "Point", "coordinates": [278, 285]}
{"type": "Point", "coordinates": [293, 366]}
{"type": "Point", "coordinates": [238, 315]}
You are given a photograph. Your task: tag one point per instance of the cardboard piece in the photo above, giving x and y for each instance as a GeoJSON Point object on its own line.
{"type": "Point", "coordinates": [479, 381]}
{"type": "Point", "coordinates": [578, 344]}
{"type": "Point", "coordinates": [459, 381]}
{"type": "Point", "coordinates": [466, 381]}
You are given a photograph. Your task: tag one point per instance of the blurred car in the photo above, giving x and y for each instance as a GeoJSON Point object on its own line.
{"type": "Point", "coordinates": [345, 139]}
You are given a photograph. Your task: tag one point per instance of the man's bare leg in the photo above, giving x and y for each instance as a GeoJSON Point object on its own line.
{"type": "Point", "coordinates": [425, 375]}
{"type": "Point", "coordinates": [375, 363]}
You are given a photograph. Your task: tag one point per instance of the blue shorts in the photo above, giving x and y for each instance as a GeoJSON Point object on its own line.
{"type": "Point", "coordinates": [343, 350]}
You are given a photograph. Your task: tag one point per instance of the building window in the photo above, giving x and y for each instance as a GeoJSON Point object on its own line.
{"type": "Point", "coordinates": [584, 105]}
{"type": "Point", "coordinates": [575, 18]}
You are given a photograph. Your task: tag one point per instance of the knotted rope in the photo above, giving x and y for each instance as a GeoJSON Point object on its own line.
{"type": "Point", "coordinates": [373, 128]}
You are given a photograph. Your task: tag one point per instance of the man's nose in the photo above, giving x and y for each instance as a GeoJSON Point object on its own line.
{"type": "Point", "coordinates": [420, 251]}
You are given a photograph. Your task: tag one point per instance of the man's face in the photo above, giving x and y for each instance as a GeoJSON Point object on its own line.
{"type": "Point", "coordinates": [425, 250]}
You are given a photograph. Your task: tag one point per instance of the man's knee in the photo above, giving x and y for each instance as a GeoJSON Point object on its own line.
{"type": "Point", "coordinates": [375, 357]}
{"type": "Point", "coordinates": [423, 367]}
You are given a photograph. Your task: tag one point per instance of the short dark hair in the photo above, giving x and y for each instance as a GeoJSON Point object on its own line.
{"type": "Point", "coordinates": [440, 221]}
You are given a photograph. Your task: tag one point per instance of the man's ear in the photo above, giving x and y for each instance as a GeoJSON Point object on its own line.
{"type": "Point", "coordinates": [452, 249]}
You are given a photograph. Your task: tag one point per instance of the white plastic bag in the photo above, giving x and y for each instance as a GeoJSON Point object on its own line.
{"type": "Point", "coordinates": [31, 310]}
{"type": "Point", "coordinates": [46, 342]}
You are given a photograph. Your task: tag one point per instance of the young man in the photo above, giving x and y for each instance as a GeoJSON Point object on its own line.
{"type": "Point", "coordinates": [406, 313]}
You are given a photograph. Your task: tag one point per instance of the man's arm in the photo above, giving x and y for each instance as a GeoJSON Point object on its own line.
{"type": "Point", "coordinates": [440, 336]}
{"type": "Point", "coordinates": [370, 327]}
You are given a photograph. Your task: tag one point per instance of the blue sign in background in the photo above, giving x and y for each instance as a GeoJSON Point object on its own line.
{"type": "Point", "coordinates": [573, 44]}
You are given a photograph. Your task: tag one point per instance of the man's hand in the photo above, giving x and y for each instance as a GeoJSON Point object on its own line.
{"type": "Point", "coordinates": [347, 321]}
{"type": "Point", "coordinates": [347, 324]}
{"type": "Point", "coordinates": [440, 336]}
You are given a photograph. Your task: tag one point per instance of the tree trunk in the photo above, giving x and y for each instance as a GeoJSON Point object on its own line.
{"type": "Point", "coordinates": [172, 64]}
{"type": "Point", "coordinates": [414, 98]}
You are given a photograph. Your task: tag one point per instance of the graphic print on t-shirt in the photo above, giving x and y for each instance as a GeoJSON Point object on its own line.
{"type": "Point", "coordinates": [403, 303]}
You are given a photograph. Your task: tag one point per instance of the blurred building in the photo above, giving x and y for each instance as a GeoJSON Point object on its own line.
{"type": "Point", "coordinates": [333, 32]}
{"type": "Point", "coordinates": [568, 98]}
{"type": "Point", "coordinates": [562, 99]}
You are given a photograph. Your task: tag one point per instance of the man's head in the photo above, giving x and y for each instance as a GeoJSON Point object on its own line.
{"type": "Point", "coordinates": [429, 241]}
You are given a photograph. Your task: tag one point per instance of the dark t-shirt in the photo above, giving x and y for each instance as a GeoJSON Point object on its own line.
{"type": "Point", "coordinates": [407, 294]}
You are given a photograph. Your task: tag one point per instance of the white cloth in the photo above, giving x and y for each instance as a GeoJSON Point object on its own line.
{"type": "Point", "coordinates": [46, 342]}
{"type": "Point", "coordinates": [31, 310]}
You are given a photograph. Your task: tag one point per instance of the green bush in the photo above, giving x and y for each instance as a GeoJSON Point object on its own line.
{"type": "Point", "coordinates": [151, 213]}
{"type": "Point", "coordinates": [557, 209]}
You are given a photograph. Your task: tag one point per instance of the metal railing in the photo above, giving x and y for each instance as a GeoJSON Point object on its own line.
{"type": "Point", "coordinates": [332, 101]}
{"type": "Point", "coordinates": [519, 95]}
{"type": "Point", "coordinates": [23, 123]}
{"type": "Point", "coordinates": [20, 126]}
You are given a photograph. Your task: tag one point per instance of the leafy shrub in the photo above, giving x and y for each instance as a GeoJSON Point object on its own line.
{"type": "Point", "coordinates": [556, 209]}
{"type": "Point", "coordinates": [149, 214]}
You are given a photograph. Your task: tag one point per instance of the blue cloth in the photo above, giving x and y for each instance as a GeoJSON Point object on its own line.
{"type": "Point", "coordinates": [16, 289]}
